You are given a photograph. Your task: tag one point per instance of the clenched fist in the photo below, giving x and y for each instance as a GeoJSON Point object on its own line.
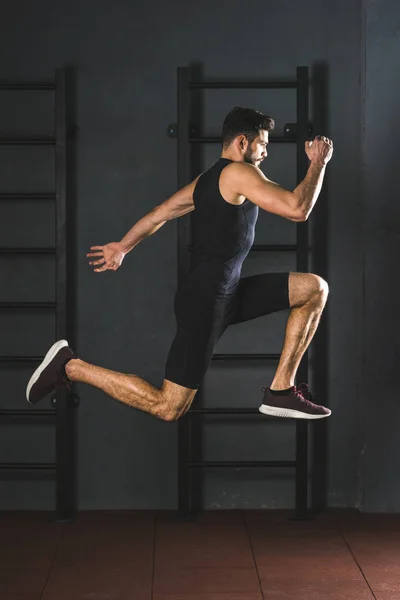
{"type": "Point", "coordinates": [320, 150]}
{"type": "Point", "coordinates": [108, 257]}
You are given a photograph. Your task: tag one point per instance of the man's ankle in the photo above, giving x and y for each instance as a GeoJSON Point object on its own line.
{"type": "Point", "coordinates": [280, 387]}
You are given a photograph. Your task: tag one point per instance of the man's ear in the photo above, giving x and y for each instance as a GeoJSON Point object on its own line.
{"type": "Point", "coordinates": [242, 141]}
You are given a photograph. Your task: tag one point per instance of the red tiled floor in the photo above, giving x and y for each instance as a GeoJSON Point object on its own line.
{"type": "Point", "coordinates": [131, 554]}
{"type": "Point", "coordinates": [375, 547]}
{"type": "Point", "coordinates": [206, 581]}
{"type": "Point", "coordinates": [282, 522]}
{"type": "Point", "coordinates": [382, 576]}
{"type": "Point", "coordinates": [208, 596]}
{"type": "Point", "coordinates": [375, 542]}
{"type": "Point", "coordinates": [362, 523]}
{"type": "Point", "coordinates": [203, 554]}
{"type": "Point", "coordinates": [266, 545]}
{"type": "Point", "coordinates": [103, 523]}
{"type": "Point", "coordinates": [106, 583]}
{"type": "Point", "coordinates": [204, 544]}
{"type": "Point", "coordinates": [106, 540]}
{"type": "Point", "coordinates": [72, 551]}
{"type": "Point", "coordinates": [207, 522]}
{"type": "Point", "coordinates": [30, 541]}
{"type": "Point", "coordinates": [310, 568]}
{"type": "Point", "coordinates": [290, 589]}
{"type": "Point", "coordinates": [22, 582]}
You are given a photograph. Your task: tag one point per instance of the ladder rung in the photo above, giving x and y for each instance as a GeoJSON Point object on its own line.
{"type": "Point", "coordinates": [27, 466]}
{"type": "Point", "coordinates": [27, 196]}
{"type": "Point", "coordinates": [27, 141]}
{"type": "Point", "coordinates": [12, 251]}
{"type": "Point", "coordinates": [225, 85]}
{"type": "Point", "coordinates": [9, 86]}
{"type": "Point", "coordinates": [218, 140]}
{"type": "Point", "coordinates": [20, 359]}
{"type": "Point", "coordinates": [246, 356]}
{"type": "Point", "coordinates": [274, 248]}
{"type": "Point", "coordinates": [241, 463]}
{"type": "Point", "coordinates": [17, 305]}
{"type": "Point", "coordinates": [27, 413]}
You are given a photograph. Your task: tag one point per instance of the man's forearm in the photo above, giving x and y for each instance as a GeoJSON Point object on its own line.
{"type": "Point", "coordinates": [309, 189]}
{"type": "Point", "coordinates": [147, 225]}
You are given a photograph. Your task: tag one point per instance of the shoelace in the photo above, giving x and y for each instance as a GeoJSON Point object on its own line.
{"type": "Point", "coordinates": [303, 393]}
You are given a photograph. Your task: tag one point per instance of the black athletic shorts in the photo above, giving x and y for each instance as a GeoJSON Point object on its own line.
{"type": "Point", "coordinates": [202, 320]}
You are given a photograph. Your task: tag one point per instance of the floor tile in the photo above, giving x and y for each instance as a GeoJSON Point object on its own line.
{"type": "Point", "coordinates": [90, 538]}
{"type": "Point", "coordinates": [310, 568]}
{"type": "Point", "coordinates": [22, 582]}
{"type": "Point", "coordinates": [264, 545]}
{"type": "Point", "coordinates": [106, 583]}
{"type": "Point", "coordinates": [96, 550]}
{"type": "Point", "coordinates": [212, 541]}
{"type": "Point", "coordinates": [28, 543]}
{"type": "Point", "coordinates": [231, 596]}
{"type": "Point", "coordinates": [290, 588]}
{"type": "Point", "coordinates": [382, 576]}
{"type": "Point", "coordinates": [186, 581]}
{"type": "Point", "coordinates": [203, 554]}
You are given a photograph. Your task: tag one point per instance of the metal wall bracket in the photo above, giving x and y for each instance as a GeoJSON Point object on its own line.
{"type": "Point", "coordinates": [74, 397]}
{"type": "Point", "coordinates": [290, 130]}
{"type": "Point", "coordinates": [172, 130]}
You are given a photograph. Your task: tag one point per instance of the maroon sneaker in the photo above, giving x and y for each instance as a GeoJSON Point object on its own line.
{"type": "Point", "coordinates": [50, 373]}
{"type": "Point", "coordinates": [296, 404]}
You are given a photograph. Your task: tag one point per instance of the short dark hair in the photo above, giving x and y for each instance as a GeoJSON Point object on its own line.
{"type": "Point", "coordinates": [244, 121]}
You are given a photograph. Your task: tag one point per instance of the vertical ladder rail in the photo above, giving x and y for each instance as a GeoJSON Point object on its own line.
{"type": "Point", "coordinates": [184, 174]}
{"type": "Point", "coordinates": [302, 267]}
{"type": "Point", "coordinates": [64, 466]}
{"type": "Point", "coordinates": [65, 494]}
{"type": "Point", "coordinates": [302, 255]}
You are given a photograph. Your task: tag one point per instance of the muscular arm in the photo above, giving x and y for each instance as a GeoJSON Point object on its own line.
{"type": "Point", "coordinates": [308, 190]}
{"type": "Point", "coordinates": [175, 206]}
{"type": "Point", "coordinates": [250, 182]}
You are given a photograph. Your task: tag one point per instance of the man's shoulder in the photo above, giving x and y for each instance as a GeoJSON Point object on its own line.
{"type": "Point", "coordinates": [239, 169]}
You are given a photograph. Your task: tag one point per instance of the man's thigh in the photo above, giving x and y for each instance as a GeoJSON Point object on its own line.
{"type": "Point", "coordinates": [199, 324]}
{"type": "Point", "coordinates": [260, 295]}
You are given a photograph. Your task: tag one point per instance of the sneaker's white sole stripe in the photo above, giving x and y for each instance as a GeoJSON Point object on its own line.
{"type": "Point", "coordinates": [47, 359]}
{"type": "Point", "coordinates": [288, 413]}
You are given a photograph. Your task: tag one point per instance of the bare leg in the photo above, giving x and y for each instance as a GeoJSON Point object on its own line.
{"type": "Point", "coordinates": [308, 294]}
{"type": "Point", "coordinates": [167, 403]}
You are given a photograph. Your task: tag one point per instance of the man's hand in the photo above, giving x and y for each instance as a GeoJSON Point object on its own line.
{"type": "Point", "coordinates": [108, 257]}
{"type": "Point", "coordinates": [320, 150]}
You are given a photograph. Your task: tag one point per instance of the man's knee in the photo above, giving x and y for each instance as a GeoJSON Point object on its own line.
{"type": "Point", "coordinates": [175, 401]}
{"type": "Point", "coordinates": [306, 288]}
{"type": "Point", "coordinates": [173, 413]}
{"type": "Point", "coordinates": [169, 416]}
{"type": "Point", "coordinates": [317, 287]}
{"type": "Point", "coordinates": [321, 287]}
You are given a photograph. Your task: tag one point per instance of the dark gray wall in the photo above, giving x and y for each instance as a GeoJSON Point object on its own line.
{"type": "Point", "coordinates": [125, 60]}
{"type": "Point", "coordinates": [379, 408]}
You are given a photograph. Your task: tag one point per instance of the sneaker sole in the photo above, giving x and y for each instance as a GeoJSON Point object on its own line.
{"type": "Point", "coordinates": [288, 413]}
{"type": "Point", "coordinates": [47, 360]}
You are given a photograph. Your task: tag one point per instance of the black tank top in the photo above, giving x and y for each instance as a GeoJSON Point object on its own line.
{"type": "Point", "coordinates": [222, 235]}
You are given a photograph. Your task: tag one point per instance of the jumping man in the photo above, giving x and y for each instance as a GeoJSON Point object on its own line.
{"type": "Point", "coordinates": [225, 201]}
